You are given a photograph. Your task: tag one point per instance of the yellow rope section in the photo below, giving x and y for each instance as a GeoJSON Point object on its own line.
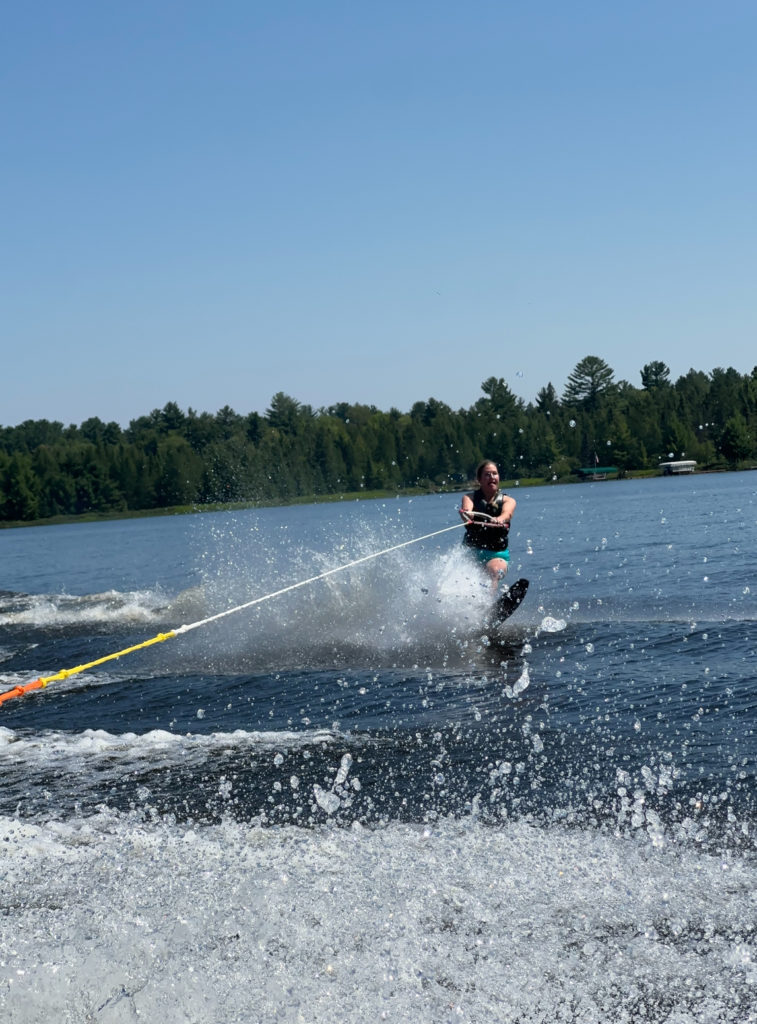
{"type": "Point", "coordinates": [40, 684]}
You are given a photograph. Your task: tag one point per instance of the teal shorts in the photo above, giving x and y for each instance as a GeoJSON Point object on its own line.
{"type": "Point", "coordinates": [484, 556]}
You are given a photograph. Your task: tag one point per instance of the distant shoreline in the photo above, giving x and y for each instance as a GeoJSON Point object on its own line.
{"type": "Point", "coordinates": [320, 499]}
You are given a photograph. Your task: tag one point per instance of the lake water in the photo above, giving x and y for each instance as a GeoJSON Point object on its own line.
{"type": "Point", "coordinates": [356, 801]}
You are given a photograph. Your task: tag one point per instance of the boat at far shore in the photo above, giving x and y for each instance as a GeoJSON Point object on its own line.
{"type": "Point", "coordinates": [676, 468]}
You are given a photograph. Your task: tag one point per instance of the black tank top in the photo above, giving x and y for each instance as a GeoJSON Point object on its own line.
{"type": "Point", "coordinates": [489, 538]}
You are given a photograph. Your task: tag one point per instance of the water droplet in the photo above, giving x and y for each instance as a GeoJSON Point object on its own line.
{"type": "Point", "coordinates": [589, 648]}
{"type": "Point", "coordinates": [344, 768]}
{"type": "Point", "coordinates": [572, 423]}
{"type": "Point", "coordinates": [278, 760]}
{"type": "Point", "coordinates": [550, 625]}
{"type": "Point", "coordinates": [522, 684]}
{"type": "Point", "coordinates": [326, 800]}
{"type": "Point", "coordinates": [200, 713]}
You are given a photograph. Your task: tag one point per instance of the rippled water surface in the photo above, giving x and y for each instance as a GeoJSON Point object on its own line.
{"type": "Point", "coordinates": [357, 800]}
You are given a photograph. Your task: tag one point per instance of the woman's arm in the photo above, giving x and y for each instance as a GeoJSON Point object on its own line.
{"type": "Point", "coordinates": [508, 507]}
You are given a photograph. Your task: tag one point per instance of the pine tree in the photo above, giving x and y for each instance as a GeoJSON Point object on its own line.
{"type": "Point", "coordinates": [655, 375]}
{"type": "Point", "coordinates": [591, 379]}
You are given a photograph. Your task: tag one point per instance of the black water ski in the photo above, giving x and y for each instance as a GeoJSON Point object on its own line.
{"type": "Point", "coordinates": [509, 601]}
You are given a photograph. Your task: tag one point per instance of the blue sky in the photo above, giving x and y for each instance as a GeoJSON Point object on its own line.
{"type": "Point", "coordinates": [369, 202]}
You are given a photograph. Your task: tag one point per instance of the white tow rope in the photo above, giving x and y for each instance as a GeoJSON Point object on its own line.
{"type": "Point", "coordinates": [42, 682]}
{"type": "Point", "coordinates": [313, 579]}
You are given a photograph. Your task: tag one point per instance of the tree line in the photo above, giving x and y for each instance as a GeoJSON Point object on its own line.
{"type": "Point", "coordinates": [176, 458]}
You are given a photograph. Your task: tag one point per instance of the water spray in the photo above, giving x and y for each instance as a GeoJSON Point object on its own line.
{"type": "Point", "coordinates": [43, 681]}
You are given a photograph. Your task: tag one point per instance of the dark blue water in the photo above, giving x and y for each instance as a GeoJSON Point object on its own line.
{"type": "Point", "coordinates": [549, 819]}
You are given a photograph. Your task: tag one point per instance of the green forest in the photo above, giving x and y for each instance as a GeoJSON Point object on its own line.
{"type": "Point", "coordinates": [174, 458]}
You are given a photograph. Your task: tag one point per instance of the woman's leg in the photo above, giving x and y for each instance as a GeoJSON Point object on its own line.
{"type": "Point", "coordinates": [497, 569]}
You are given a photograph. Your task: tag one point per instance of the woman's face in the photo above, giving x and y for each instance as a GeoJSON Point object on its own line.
{"type": "Point", "coordinates": [489, 479]}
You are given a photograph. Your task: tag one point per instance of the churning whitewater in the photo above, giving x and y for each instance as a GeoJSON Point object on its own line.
{"type": "Point", "coordinates": [359, 801]}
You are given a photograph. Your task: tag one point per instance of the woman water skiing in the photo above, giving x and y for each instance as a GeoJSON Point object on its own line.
{"type": "Point", "coordinates": [487, 513]}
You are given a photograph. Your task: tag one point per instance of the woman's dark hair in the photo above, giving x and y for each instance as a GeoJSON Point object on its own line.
{"type": "Point", "coordinates": [482, 465]}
